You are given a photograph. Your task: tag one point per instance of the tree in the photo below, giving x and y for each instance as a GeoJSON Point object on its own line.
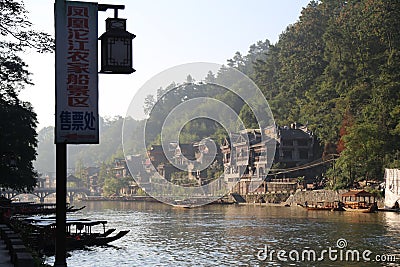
{"type": "Point", "coordinates": [337, 70]}
{"type": "Point", "coordinates": [113, 185]}
{"type": "Point", "coordinates": [18, 35]}
{"type": "Point", "coordinates": [18, 120]}
{"type": "Point", "coordinates": [45, 161]}
{"type": "Point", "coordinates": [17, 146]}
{"type": "Point", "coordinates": [364, 41]}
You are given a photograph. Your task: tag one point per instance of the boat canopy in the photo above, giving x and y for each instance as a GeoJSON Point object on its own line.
{"type": "Point", "coordinates": [357, 193]}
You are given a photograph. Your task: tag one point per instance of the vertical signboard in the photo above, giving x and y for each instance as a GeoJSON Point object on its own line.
{"type": "Point", "coordinates": [77, 119]}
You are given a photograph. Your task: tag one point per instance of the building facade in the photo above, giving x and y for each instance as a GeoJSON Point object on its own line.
{"type": "Point", "coordinates": [246, 157]}
{"type": "Point", "coordinates": [189, 159]}
{"type": "Point", "coordinates": [121, 171]}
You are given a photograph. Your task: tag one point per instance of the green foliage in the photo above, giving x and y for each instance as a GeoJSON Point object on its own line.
{"type": "Point", "coordinates": [140, 192]}
{"type": "Point", "coordinates": [17, 146]}
{"type": "Point", "coordinates": [110, 146]}
{"type": "Point", "coordinates": [45, 161]}
{"type": "Point", "coordinates": [103, 174]}
{"type": "Point", "coordinates": [18, 120]}
{"type": "Point", "coordinates": [337, 70]}
{"type": "Point", "coordinates": [80, 171]}
{"type": "Point", "coordinates": [112, 186]}
{"type": "Point", "coordinates": [159, 107]}
{"type": "Point", "coordinates": [171, 97]}
{"type": "Point", "coordinates": [248, 118]}
{"type": "Point", "coordinates": [182, 178]}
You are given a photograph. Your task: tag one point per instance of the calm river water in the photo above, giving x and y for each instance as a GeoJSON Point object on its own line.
{"type": "Point", "coordinates": [230, 235]}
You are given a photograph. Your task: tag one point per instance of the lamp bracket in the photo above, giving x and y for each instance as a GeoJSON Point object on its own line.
{"type": "Point", "coordinates": [104, 7]}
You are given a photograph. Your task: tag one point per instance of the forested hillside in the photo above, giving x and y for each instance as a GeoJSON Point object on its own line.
{"type": "Point", "coordinates": [336, 70]}
{"type": "Point", "coordinates": [89, 155]}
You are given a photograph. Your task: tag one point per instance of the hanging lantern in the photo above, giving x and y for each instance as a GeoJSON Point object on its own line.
{"type": "Point", "coordinates": [116, 48]}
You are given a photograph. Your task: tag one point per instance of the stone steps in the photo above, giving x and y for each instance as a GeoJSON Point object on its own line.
{"type": "Point", "coordinates": [12, 250]}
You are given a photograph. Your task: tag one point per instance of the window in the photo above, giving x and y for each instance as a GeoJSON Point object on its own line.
{"type": "Point", "coordinates": [287, 154]}
{"type": "Point", "coordinates": [302, 142]}
{"type": "Point", "coordinates": [227, 157]}
{"type": "Point", "coordinates": [287, 142]}
{"type": "Point", "coordinates": [303, 154]}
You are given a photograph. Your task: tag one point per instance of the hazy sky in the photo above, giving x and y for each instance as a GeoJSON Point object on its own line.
{"type": "Point", "coordinates": [168, 33]}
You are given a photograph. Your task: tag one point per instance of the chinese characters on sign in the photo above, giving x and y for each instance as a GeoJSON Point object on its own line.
{"type": "Point", "coordinates": [77, 117]}
{"type": "Point", "coordinates": [77, 120]}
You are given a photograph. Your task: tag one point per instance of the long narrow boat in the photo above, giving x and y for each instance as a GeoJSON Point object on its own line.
{"type": "Point", "coordinates": [30, 208]}
{"type": "Point", "coordinates": [183, 206]}
{"type": "Point", "coordinates": [79, 233]}
{"type": "Point", "coordinates": [324, 205]}
{"type": "Point", "coordinates": [94, 239]}
{"type": "Point", "coordinates": [319, 208]}
{"type": "Point", "coordinates": [359, 201]}
{"type": "Point", "coordinates": [73, 209]}
{"type": "Point", "coordinates": [369, 209]}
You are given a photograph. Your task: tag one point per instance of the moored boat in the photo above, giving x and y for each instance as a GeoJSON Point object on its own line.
{"type": "Point", "coordinates": [324, 205]}
{"type": "Point", "coordinates": [73, 209]}
{"type": "Point", "coordinates": [319, 208]}
{"type": "Point", "coordinates": [359, 201]}
{"type": "Point", "coordinates": [80, 233]}
{"type": "Point", "coordinates": [183, 206]}
{"type": "Point", "coordinates": [10, 208]}
{"type": "Point", "coordinates": [369, 209]}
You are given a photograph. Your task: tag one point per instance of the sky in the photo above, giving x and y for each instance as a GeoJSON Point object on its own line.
{"type": "Point", "coordinates": [168, 33]}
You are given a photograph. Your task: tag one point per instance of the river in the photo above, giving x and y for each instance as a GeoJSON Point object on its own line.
{"type": "Point", "coordinates": [231, 235]}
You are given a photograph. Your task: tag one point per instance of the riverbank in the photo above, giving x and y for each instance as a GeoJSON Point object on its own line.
{"type": "Point", "coordinates": [322, 195]}
{"type": "Point", "coordinates": [222, 201]}
{"type": "Point", "coordinates": [119, 198]}
{"type": "Point", "coordinates": [299, 197]}
{"type": "Point", "coordinates": [283, 198]}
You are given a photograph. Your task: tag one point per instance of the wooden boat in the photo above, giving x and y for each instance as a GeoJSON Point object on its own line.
{"type": "Point", "coordinates": [369, 209]}
{"type": "Point", "coordinates": [338, 208]}
{"type": "Point", "coordinates": [185, 204]}
{"type": "Point", "coordinates": [79, 233]}
{"type": "Point", "coordinates": [73, 209]}
{"type": "Point", "coordinates": [85, 237]}
{"type": "Point", "coordinates": [359, 201]}
{"type": "Point", "coordinates": [324, 205]}
{"type": "Point", "coordinates": [96, 239]}
{"type": "Point", "coordinates": [319, 208]}
{"type": "Point", "coordinates": [108, 232]}
{"type": "Point", "coordinates": [30, 208]}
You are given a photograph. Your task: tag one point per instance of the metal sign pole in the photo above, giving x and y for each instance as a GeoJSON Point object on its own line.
{"type": "Point", "coordinates": [76, 84]}
{"type": "Point", "coordinates": [61, 162]}
{"type": "Point", "coordinates": [61, 203]}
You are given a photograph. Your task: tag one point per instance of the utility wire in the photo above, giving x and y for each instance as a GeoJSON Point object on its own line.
{"type": "Point", "coordinates": [306, 166]}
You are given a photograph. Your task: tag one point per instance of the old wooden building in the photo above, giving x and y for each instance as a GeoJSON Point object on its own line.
{"type": "Point", "coordinates": [247, 156]}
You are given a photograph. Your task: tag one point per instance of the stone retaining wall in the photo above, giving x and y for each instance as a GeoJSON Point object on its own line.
{"type": "Point", "coordinates": [273, 197]}
{"type": "Point", "coordinates": [300, 197]}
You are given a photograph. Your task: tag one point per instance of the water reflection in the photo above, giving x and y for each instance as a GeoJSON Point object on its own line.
{"type": "Point", "coordinates": [231, 235]}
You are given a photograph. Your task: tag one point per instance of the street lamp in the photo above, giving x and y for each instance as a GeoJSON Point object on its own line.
{"type": "Point", "coordinates": [116, 47]}
{"type": "Point", "coordinates": [76, 71]}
